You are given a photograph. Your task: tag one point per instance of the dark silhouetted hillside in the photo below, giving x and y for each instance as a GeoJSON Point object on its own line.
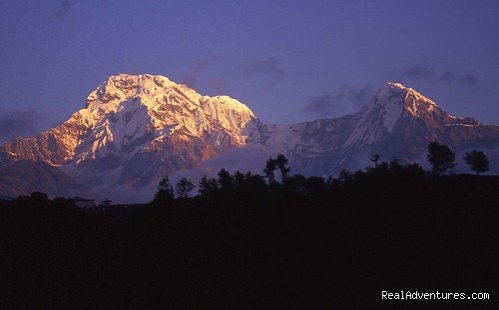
{"type": "Point", "coordinates": [247, 242]}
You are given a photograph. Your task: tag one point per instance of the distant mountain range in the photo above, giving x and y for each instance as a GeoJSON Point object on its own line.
{"type": "Point", "coordinates": [135, 129]}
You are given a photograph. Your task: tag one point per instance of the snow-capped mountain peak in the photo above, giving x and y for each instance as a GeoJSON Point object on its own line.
{"type": "Point", "coordinates": [128, 116]}
{"type": "Point", "coordinates": [390, 88]}
{"type": "Point", "coordinates": [379, 117]}
{"type": "Point", "coordinates": [391, 104]}
{"type": "Point", "coordinates": [399, 109]}
{"type": "Point", "coordinates": [134, 129]}
{"type": "Point", "coordinates": [124, 86]}
{"type": "Point", "coordinates": [396, 94]}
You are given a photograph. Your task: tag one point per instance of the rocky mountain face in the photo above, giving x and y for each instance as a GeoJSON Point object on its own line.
{"type": "Point", "coordinates": [135, 129]}
{"type": "Point", "coordinates": [398, 123]}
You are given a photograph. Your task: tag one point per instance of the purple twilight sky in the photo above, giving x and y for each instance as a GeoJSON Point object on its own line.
{"type": "Point", "coordinates": [289, 61]}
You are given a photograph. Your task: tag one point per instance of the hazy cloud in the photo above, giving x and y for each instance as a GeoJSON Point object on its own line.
{"type": "Point", "coordinates": [417, 72]}
{"type": "Point", "coordinates": [192, 75]}
{"type": "Point", "coordinates": [219, 85]}
{"type": "Point", "coordinates": [270, 65]}
{"type": "Point", "coordinates": [346, 100]}
{"type": "Point", "coordinates": [411, 73]}
{"type": "Point", "coordinates": [319, 105]}
{"type": "Point", "coordinates": [457, 78]}
{"type": "Point", "coordinates": [18, 123]}
{"type": "Point", "coordinates": [62, 8]}
{"type": "Point", "coordinates": [427, 74]}
{"type": "Point", "coordinates": [359, 96]}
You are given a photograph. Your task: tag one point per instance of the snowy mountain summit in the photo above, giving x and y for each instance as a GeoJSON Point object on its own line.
{"type": "Point", "coordinates": [135, 129]}
{"type": "Point", "coordinates": [129, 115]}
{"type": "Point", "coordinates": [139, 126]}
{"type": "Point", "coordinates": [396, 108]}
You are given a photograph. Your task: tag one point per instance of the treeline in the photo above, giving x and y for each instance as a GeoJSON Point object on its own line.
{"type": "Point", "coordinates": [277, 180]}
{"type": "Point", "coordinates": [277, 240]}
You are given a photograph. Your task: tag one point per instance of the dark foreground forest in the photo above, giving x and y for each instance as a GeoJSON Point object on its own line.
{"type": "Point", "coordinates": [250, 242]}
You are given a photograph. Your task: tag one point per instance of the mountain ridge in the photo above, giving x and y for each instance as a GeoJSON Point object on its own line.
{"type": "Point", "coordinates": [135, 129]}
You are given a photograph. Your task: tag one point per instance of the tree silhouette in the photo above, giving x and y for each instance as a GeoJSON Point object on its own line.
{"type": "Point", "coordinates": [164, 195]}
{"type": "Point", "coordinates": [281, 163]}
{"type": "Point", "coordinates": [225, 180]}
{"type": "Point", "coordinates": [477, 160]}
{"type": "Point", "coordinates": [270, 167]}
{"type": "Point", "coordinates": [183, 188]}
{"type": "Point", "coordinates": [208, 186]}
{"type": "Point", "coordinates": [441, 157]}
{"type": "Point", "coordinates": [375, 159]}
